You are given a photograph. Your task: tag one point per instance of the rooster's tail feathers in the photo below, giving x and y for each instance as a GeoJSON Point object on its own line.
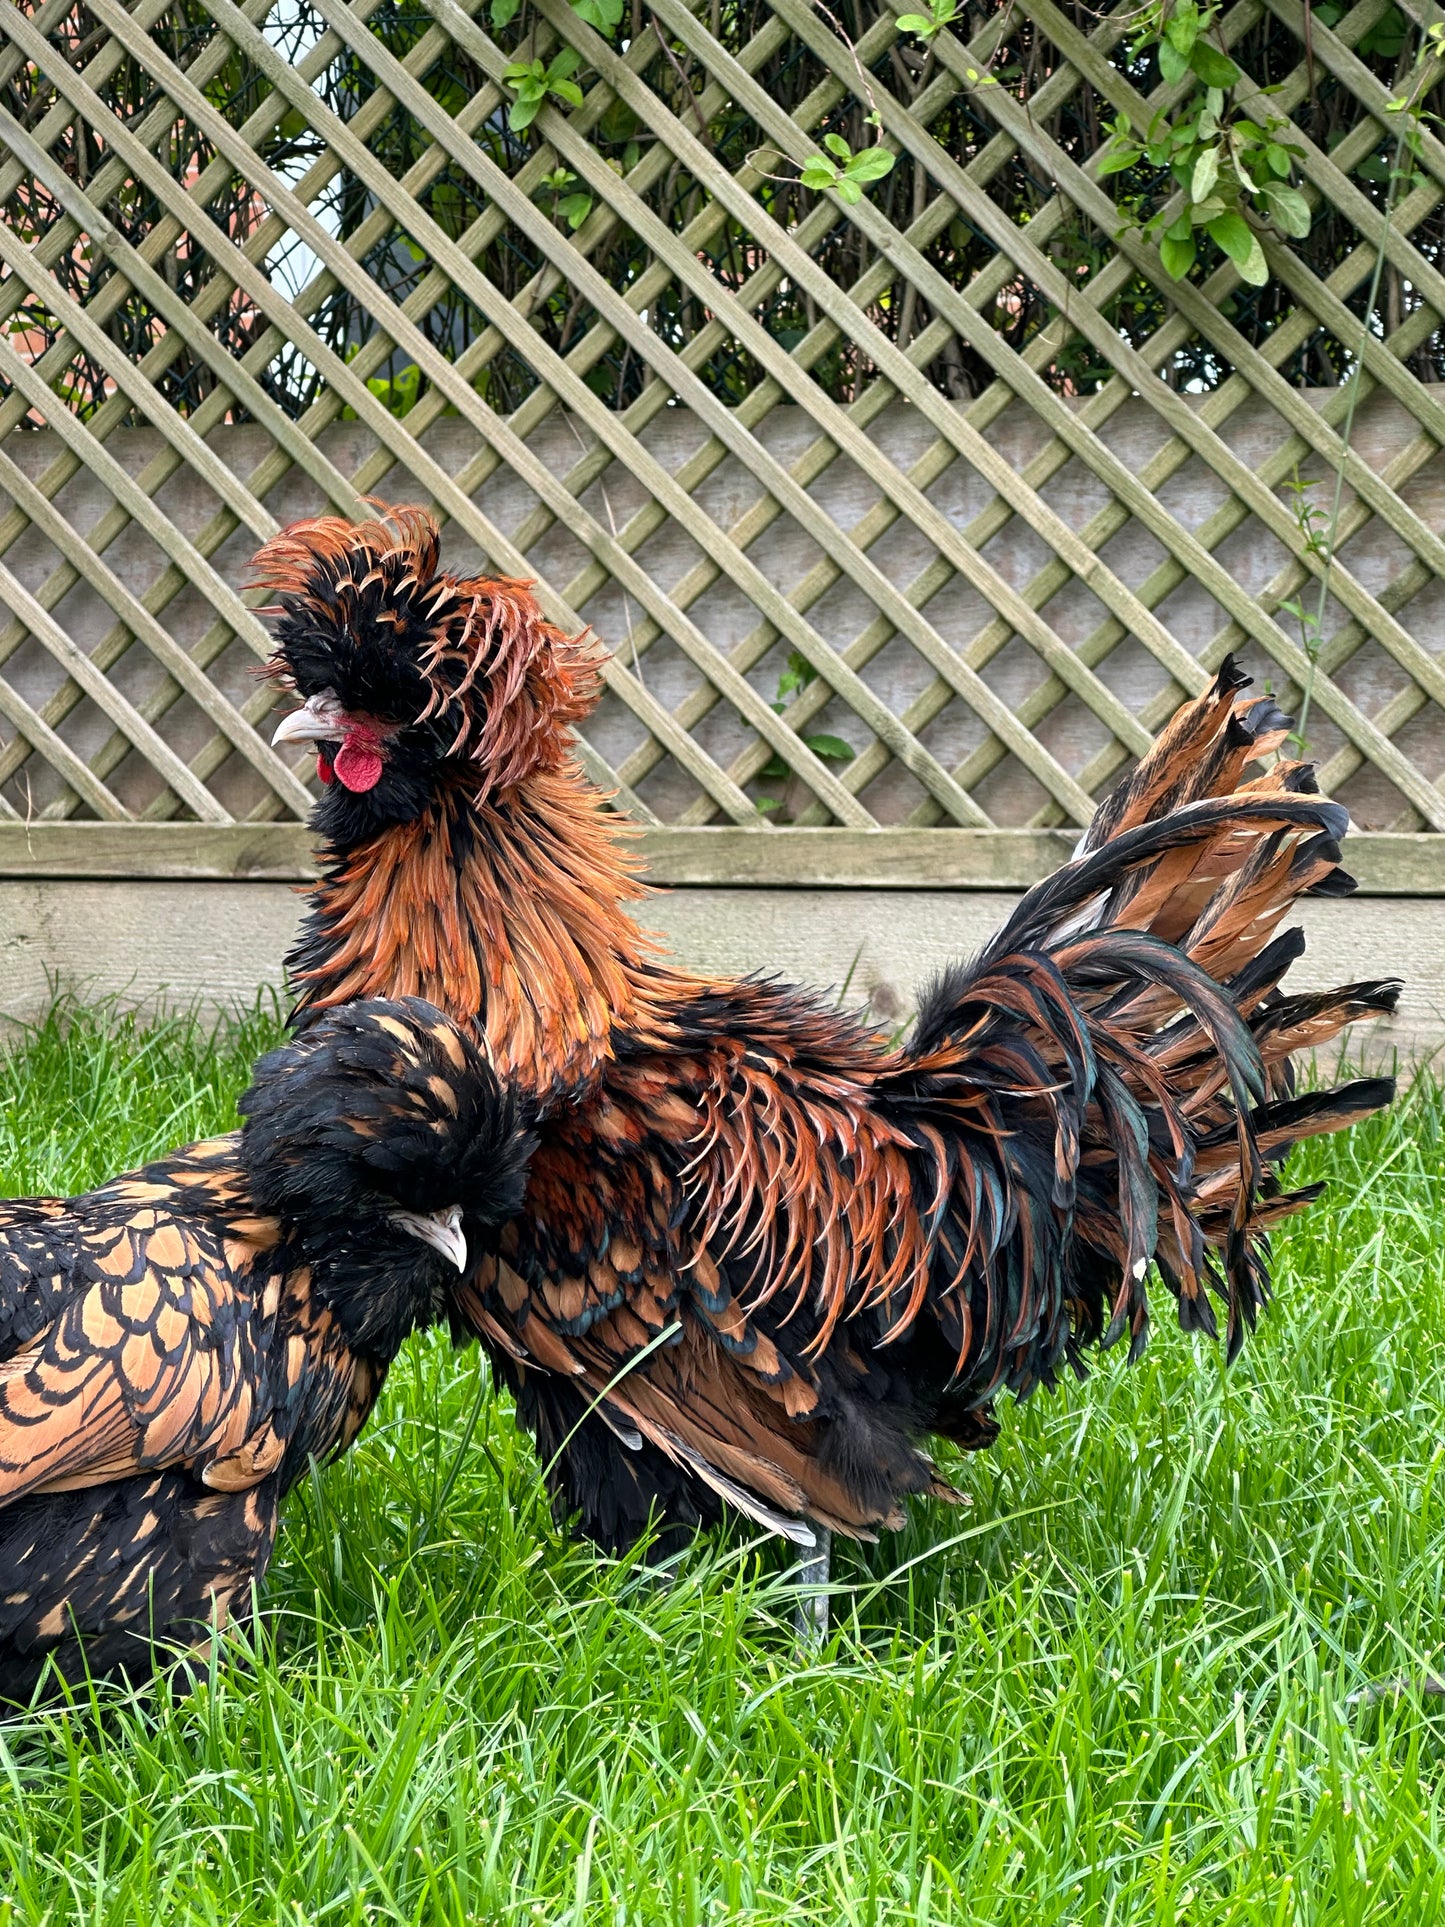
{"type": "Point", "coordinates": [1171, 1096]}
{"type": "Point", "coordinates": [1203, 751]}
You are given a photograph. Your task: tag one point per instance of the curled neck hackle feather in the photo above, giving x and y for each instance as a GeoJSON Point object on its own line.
{"type": "Point", "coordinates": [506, 911]}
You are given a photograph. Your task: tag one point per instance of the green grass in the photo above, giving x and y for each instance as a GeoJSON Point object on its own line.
{"type": "Point", "coordinates": [1117, 1690]}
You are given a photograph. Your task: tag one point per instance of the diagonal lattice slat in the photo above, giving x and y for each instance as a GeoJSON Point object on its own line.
{"type": "Point", "coordinates": [921, 509]}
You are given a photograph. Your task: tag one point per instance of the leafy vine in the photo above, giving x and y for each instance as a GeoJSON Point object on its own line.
{"type": "Point", "coordinates": [1235, 171]}
{"type": "Point", "coordinates": [1410, 118]}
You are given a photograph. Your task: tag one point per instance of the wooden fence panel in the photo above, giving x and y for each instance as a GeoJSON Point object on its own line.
{"type": "Point", "coordinates": [917, 509]}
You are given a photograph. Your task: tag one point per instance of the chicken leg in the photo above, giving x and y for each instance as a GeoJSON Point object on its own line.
{"type": "Point", "coordinates": [810, 1609]}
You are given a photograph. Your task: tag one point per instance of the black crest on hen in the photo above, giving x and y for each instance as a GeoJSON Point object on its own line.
{"type": "Point", "coordinates": [382, 1098]}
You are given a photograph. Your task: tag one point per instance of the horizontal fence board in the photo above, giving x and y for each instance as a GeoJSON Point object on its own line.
{"type": "Point", "coordinates": [1382, 864]}
{"type": "Point", "coordinates": [178, 943]}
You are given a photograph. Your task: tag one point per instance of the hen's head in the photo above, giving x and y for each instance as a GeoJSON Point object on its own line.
{"type": "Point", "coordinates": [384, 1142]}
{"type": "Point", "coordinates": [412, 679]}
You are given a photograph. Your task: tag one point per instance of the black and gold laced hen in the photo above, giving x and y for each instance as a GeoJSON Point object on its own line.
{"type": "Point", "coordinates": [176, 1346]}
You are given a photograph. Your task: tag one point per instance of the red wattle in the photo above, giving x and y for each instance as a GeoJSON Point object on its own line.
{"type": "Point", "coordinates": [324, 767]}
{"type": "Point", "coordinates": [358, 761]}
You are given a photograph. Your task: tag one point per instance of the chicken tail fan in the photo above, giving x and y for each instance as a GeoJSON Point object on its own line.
{"type": "Point", "coordinates": [1134, 1055]}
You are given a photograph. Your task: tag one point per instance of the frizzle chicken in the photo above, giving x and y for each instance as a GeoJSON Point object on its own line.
{"type": "Point", "coordinates": [180, 1344]}
{"type": "Point", "coordinates": [763, 1256]}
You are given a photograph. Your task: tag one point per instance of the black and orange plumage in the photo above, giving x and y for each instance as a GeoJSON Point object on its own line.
{"type": "Point", "coordinates": [763, 1255]}
{"type": "Point", "coordinates": [177, 1346]}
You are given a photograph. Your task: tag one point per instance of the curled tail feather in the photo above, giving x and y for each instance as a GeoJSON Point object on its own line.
{"type": "Point", "coordinates": [1177, 1107]}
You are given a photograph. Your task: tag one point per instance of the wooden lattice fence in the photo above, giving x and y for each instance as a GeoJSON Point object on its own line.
{"type": "Point", "coordinates": [915, 510]}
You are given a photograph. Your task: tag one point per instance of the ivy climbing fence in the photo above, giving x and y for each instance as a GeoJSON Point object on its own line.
{"type": "Point", "coordinates": [918, 405]}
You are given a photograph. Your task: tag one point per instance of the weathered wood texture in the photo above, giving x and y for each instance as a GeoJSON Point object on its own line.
{"type": "Point", "coordinates": [216, 943]}
{"type": "Point", "coordinates": [832, 592]}
{"type": "Point", "coordinates": [1383, 864]}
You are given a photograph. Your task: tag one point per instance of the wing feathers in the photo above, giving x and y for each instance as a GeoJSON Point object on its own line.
{"type": "Point", "coordinates": [119, 1384]}
{"type": "Point", "coordinates": [855, 1246]}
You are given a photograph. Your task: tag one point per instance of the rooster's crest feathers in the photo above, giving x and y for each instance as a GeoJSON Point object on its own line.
{"type": "Point", "coordinates": [364, 611]}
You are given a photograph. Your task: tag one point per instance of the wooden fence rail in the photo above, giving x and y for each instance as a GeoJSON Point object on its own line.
{"type": "Point", "coordinates": [920, 509]}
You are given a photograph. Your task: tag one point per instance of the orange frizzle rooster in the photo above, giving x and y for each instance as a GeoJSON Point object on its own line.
{"type": "Point", "coordinates": [763, 1256]}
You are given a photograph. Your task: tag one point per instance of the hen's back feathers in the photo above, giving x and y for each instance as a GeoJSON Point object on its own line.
{"type": "Point", "coordinates": [141, 1431]}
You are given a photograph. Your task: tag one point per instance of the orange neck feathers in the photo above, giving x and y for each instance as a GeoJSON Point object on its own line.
{"type": "Point", "coordinates": [508, 912]}
{"type": "Point", "coordinates": [504, 902]}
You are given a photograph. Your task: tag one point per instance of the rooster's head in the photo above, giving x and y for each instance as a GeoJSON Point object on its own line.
{"type": "Point", "coordinates": [412, 679]}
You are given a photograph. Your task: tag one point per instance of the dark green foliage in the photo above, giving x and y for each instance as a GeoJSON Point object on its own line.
{"type": "Point", "coordinates": [513, 263]}
{"type": "Point", "coordinates": [81, 265]}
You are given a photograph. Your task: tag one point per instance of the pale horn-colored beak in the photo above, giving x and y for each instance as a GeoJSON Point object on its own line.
{"type": "Point", "coordinates": [320, 720]}
{"type": "Point", "coordinates": [442, 1230]}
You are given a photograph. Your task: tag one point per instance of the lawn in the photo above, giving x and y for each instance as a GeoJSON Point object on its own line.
{"type": "Point", "coordinates": [1125, 1687]}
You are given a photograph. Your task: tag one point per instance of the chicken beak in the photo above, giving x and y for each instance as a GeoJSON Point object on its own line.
{"type": "Point", "coordinates": [320, 720]}
{"type": "Point", "coordinates": [442, 1230]}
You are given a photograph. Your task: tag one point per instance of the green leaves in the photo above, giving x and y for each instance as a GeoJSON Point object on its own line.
{"type": "Point", "coordinates": [1173, 65]}
{"type": "Point", "coordinates": [604, 15]}
{"type": "Point", "coordinates": [571, 200]}
{"type": "Point", "coordinates": [1213, 68]}
{"type": "Point", "coordinates": [832, 749]}
{"type": "Point", "coordinates": [843, 171]}
{"type": "Point", "coordinates": [869, 164]}
{"type": "Point", "coordinates": [941, 14]}
{"type": "Point", "coordinates": [1410, 116]}
{"type": "Point", "coordinates": [534, 82]}
{"type": "Point", "coordinates": [1206, 173]}
{"type": "Point", "coordinates": [1123, 151]}
{"type": "Point", "coordinates": [1386, 39]}
{"type": "Point", "coordinates": [795, 677]}
{"type": "Point", "coordinates": [398, 393]}
{"type": "Point", "coordinates": [1288, 208]}
{"type": "Point", "coordinates": [1231, 171]}
{"type": "Point", "coordinates": [1277, 159]}
{"type": "Point", "coordinates": [828, 749]}
{"type": "Point", "coordinates": [1234, 234]}
{"type": "Point", "coordinates": [1177, 251]}
{"type": "Point", "coordinates": [1182, 44]}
